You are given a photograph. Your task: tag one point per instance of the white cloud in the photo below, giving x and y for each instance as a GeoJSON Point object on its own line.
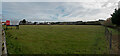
{"type": "Point", "coordinates": [58, 0]}
{"type": "Point", "coordinates": [58, 11]}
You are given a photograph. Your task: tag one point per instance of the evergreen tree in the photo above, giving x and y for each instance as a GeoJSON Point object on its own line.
{"type": "Point", "coordinates": [116, 17]}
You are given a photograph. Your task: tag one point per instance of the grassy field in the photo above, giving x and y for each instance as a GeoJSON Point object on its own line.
{"type": "Point", "coordinates": [56, 39]}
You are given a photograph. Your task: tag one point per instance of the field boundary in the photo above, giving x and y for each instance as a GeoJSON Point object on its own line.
{"type": "Point", "coordinates": [112, 40]}
{"type": "Point", "coordinates": [108, 35]}
{"type": "Point", "coordinates": [4, 48]}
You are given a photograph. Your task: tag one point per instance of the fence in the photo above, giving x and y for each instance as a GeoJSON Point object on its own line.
{"type": "Point", "coordinates": [108, 35]}
{"type": "Point", "coordinates": [4, 48]}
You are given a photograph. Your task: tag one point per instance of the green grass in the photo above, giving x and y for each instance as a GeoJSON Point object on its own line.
{"type": "Point", "coordinates": [56, 39]}
{"type": "Point", "coordinates": [114, 31]}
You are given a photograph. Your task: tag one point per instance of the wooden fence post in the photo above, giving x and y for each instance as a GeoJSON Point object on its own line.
{"type": "Point", "coordinates": [110, 40]}
{"type": "Point", "coordinates": [108, 35]}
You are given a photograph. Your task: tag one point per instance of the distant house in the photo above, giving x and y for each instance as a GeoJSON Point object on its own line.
{"type": "Point", "coordinates": [29, 23]}
{"type": "Point", "coordinates": [93, 23]}
{"type": "Point", "coordinates": [108, 22]}
{"type": "Point", "coordinates": [79, 23]}
{"type": "Point", "coordinates": [3, 23]}
{"type": "Point", "coordinates": [101, 21]}
{"type": "Point", "coordinates": [70, 23]}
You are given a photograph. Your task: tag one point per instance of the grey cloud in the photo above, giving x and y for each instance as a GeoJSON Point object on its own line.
{"type": "Point", "coordinates": [56, 11]}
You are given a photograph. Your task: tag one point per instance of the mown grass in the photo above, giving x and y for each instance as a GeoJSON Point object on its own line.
{"type": "Point", "coordinates": [56, 39]}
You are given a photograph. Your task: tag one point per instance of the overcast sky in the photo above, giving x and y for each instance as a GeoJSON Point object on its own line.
{"type": "Point", "coordinates": [58, 10]}
{"type": "Point", "coordinates": [60, 0]}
